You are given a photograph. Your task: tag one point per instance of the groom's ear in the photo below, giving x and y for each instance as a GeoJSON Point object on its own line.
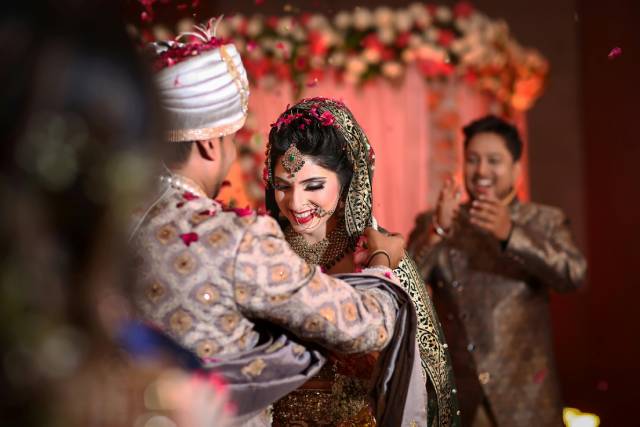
{"type": "Point", "coordinates": [208, 149]}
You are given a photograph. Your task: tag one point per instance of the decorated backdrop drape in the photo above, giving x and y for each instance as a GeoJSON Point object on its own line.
{"type": "Point", "coordinates": [414, 127]}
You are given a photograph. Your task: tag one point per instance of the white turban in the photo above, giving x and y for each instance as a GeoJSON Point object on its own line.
{"type": "Point", "coordinates": [205, 96]}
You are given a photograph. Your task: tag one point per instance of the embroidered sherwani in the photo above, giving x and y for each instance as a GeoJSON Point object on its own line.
{"type": "Point", "coordinates": [207, 275]}
{"type": "Point", "coordinates": [493, 299]}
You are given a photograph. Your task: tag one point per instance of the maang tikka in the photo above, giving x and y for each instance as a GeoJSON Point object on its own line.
{"type": "Point", "coordinates": [292, 160]}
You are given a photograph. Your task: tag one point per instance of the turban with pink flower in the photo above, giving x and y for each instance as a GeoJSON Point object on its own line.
{"type": "Point", "coordinates": [203, 86]}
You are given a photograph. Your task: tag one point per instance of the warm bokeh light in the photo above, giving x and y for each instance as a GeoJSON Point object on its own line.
{"type": "Point", "coordinates": [573, 417]}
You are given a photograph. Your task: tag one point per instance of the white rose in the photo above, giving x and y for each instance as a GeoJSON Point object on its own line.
{"type": "Point", "coordinates": [184, 25]}
{"type": "Point", "coordinates": [443, 14]}
{"type": "Point", "coordinates": [423, 19]}
{"type": "Point", "coordinates": [317, 61]}
{"type": "Point", "coordinates": [330, 38]}
{"type": "Point", "coordinates": [498, 60]}
{"type": "Point", "coordinates": [337, 59]}
{"type": "Point", "coordinates": [408, 56]}
{"type": "Point", "coordinates": [386, 35]}
{"type": "Point", "coordinates": [418, 9]}
{"type": "Point", "coordinates": [160, 32]}
{"type": "Point", "coordinates": [404, 21]}
{"type": "Point", "coordinates": [362, 18]}
{"type": "Point", "coordinates": [431, 34]}
{"type": "Point", "coordinates": [342, 20]}
{"type": "Point", "coordinates": [424, 52]}
{"type": "Point", "coordinates": [392, 69]}
{"type": "Point", "coordinates": [372, 56]}
{"type": "Point", "coordinates": [284, 26]}
{"type": "Point", "coordinates": [317, 22]}
{"type": "Point", "coordinates": [355, 65]}
{"type": "Point", "coordinates": [223, 30]}
{"type": "Point", "coordinates": [254, 26]}
{"type": "Point", "coordinates": [415, 40]}
{"type": "Point", "coordinates": [298, 34]}
{"type": "Point", "coordinates": [236, 22]}
{"type": "Point", "coordinates": [384, 16]}
{"type": "Point", "coordinates": [459, 45]}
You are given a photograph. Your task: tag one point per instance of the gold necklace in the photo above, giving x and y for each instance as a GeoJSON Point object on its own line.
{"type": "Point", "coordinates": [325, 253]}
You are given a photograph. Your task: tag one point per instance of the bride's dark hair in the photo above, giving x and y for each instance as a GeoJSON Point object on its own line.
{"type": "Point", "coordinates": [325, 144]}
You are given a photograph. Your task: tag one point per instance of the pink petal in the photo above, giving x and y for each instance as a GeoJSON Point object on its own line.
{"type": "Point", "coordinates": [614, 53]}
{"type": "Point", "coordinates": [251, 45]}
{"type": "Point", "coordinates": [189, 238]}
{"type": "Point", "coordinates": [539, 376]}
{"type": "Point", "coordinates": [387, 274]}
{"type": "Point", "coordinates": [146, 17]}
{"type": "Point", "coordinates": [189, 196]}
{"type": "Point", "coordinates": [242, 212]}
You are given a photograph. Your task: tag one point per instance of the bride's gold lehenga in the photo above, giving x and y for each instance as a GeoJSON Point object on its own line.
{"type": "Point", "coordinates": [333, 398]}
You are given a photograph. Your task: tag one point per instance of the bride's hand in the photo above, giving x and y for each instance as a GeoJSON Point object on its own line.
{"type": "Point", "coordinates": [391, 244]}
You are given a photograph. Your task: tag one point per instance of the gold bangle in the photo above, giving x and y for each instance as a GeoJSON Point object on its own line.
{"type": "Point", "coordinates": [379, 251]}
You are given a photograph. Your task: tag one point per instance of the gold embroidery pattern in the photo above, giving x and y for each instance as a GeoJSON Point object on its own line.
{"type": "Point", "coordinates": [435, 360]}
{"type": "Point", "coordinates": [254, 368]}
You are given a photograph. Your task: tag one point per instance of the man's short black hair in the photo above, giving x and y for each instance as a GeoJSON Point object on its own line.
{"type": "Point", "coordinates": [493, 124]}
{"type": "Point", "coordinates": [176, 153]}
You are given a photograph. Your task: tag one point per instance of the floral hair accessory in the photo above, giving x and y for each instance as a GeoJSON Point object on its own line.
{"type": "Point", "coordinates": [325, 119]}
{"type": "Point", "coordinates": [292, 160]}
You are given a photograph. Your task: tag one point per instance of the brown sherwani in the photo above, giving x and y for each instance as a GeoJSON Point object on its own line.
{"type": "Point", "coordinates": [493, 301]}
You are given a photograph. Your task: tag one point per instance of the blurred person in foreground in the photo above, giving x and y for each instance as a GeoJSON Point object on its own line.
{"type": "Point", "coordinates": [222, 281]}
{"type": "Point", "coordinates": [491, 263]}
{"type": "Point", "coordinates": [78, 116]}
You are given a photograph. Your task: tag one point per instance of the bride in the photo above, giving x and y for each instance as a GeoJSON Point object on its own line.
{"type": "Point", "coordinates": [319, 170]}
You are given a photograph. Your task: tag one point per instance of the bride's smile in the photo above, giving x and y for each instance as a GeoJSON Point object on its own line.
{"type": "Point", "coordinates": [307, 199]}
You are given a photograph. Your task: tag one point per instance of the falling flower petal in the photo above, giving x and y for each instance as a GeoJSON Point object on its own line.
{"type": "Point", "coordinates": [251, 45]}
{"type": "Point", "coordinates": [614, 53]}
{"type": "Point", "coordinates": [189, 196]}
{"type": "Point", "coordinates": [539, 376]}
{"type": "Point", "coordinates": [387, 274]}
{"type": "Point", "coordinates": [189, 238]}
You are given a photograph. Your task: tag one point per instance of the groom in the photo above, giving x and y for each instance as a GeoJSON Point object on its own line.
{"type": "Point", "coordinates": [217, 279]}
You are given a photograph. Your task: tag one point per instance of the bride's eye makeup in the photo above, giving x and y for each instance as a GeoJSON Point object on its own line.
{"type": "Point", "coordinates": [314, 184]}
